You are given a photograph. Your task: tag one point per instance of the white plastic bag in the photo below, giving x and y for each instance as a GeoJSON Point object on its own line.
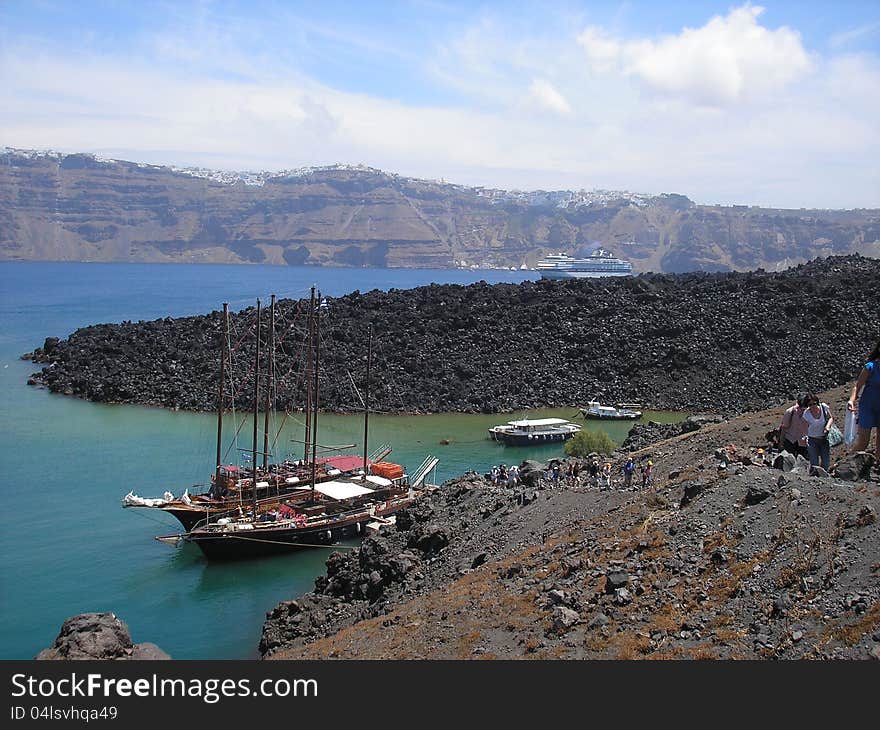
{"type": "Point", "coordinates": [849, 428]}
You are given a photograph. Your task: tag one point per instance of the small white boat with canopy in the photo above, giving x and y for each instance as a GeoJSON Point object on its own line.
{"type": "Point", "coordinates": [534, 431]}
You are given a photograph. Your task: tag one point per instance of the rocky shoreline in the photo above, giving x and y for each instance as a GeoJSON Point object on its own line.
{"type": "Point", "coordinates": [727, 555]}
{"type": "Point", "coordinates": [734, 552]}
{"type": "Point", "coordinates": [719, 342]}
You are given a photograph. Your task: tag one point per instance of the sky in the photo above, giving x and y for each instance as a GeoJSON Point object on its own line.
{"type": "Point", "coordinates": [773, 104]}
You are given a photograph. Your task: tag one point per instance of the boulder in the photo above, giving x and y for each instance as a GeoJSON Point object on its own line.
{"type": "Point", "coordinates": [147, 651]}
{"type": "Point", "coordinates": [615, 579]}
{"type": "Point", "coordinates": [556, 597]}
{"type": "Point", "coordinates": [756, 495]}
{"type": "Point", "coordinates": [691, 490]}
{"type": "Point", "coordinates": [98, 636]}
{"type": "Point", "coordinates": [854, 467]}
{"type": "Point", "coordinates": [530, 473]}
{"type": "Point", "coordinates": [563, 619]}
{"type": "Point", "coordinates": [402, 564]}
{"type": "Point", "coordinates": [431, 540]}
{"type": "Point", "coordinates": [785, 461]}
{"type": "Point", "coordinates": [622, 597]}
{"type": "Point", "coordinates": [698, 420]}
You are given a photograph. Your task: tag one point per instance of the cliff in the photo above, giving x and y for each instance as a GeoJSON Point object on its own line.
{"type": "Point", "coordinates": [82, 208]}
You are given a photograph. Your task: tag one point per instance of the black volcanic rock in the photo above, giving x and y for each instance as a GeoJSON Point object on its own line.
{"type": "Point", "coordinates": [688, 341]}
{"type": "Point", "coordinates": [98, 636]}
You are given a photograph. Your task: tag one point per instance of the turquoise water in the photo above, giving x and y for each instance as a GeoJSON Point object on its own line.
{"type": "Point", "coordinates": [66, 544]}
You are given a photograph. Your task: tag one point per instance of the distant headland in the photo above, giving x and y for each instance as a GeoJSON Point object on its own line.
{"type": "Point", "coordinates": [81, 207]}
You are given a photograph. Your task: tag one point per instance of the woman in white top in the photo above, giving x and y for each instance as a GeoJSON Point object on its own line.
{"type": "Point", "coordinates": [819, 420]}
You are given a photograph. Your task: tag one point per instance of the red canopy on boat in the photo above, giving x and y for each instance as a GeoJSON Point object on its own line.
{"type": "Point", "coordinates": [343, 463]}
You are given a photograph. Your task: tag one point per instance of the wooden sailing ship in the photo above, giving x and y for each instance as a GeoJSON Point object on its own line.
{"type": "Point", "coordinates": [340, 497]}
{"type": "Point", "coordinates": [232, 488]}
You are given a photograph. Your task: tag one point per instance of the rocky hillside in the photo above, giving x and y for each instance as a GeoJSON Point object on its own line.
{"type": "Point", "coordinates": [725, 556]}
{"type": "Point", "coordinates": [80, 208]}
{"type": "Point", "coordinates": [689, 341]}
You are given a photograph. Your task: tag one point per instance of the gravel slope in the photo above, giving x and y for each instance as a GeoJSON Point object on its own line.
{"type": "Point", "coordinates": [753, 563]}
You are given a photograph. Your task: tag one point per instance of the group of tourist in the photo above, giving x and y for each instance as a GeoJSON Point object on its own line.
{"type": "Point", "coordinates": [807, 427]}
{"type": "Point", "coordinates": [646, 473]}
{"type": "Point", "coordinates": [599, 475]}
{"type": "Point", "coordinates": [505, 476]}
{"type": "Point", "coordinates": [575, 474]}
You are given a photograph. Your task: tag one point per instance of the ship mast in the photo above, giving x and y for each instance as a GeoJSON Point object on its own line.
{"type": "Point", "coordinates": [223, 345]}
{"type": "Point", "coordinates": [317, 319]}
{"type": "Point", "coordinates": [256, 407]}
{"type": "Point", "coordinates": [270, 375]}
{"type": "Point", "coordinates": [308, 408]}
{"type": "Point", "coordinates": [367, 399]}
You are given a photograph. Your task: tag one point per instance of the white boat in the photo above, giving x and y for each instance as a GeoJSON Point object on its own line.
{"type": "Point", "coordinates": [621, 412]}
{"type": "Point", "coordinates": [533, 432]}
{"type": "Point", "coordinates": [599, 263]}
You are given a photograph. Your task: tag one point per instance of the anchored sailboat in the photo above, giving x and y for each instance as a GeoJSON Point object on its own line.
{"type": "Point", "coordinates": [319, 511]}
{"type": "Point", "coordinates": [232, 488]}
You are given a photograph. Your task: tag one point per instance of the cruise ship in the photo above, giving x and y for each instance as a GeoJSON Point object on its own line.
{"type": "Point", "coordinates": [599, 263]}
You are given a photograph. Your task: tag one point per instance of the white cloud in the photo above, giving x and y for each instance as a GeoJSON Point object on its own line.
{"type": "Point", "coordinates": [736, 113]}
{"type": "Point", "coordinates": [547, 97]}
{"type": "Point", "coordinates": [728, 59]}
{"type": "Point", "coordinates": [603, 51]}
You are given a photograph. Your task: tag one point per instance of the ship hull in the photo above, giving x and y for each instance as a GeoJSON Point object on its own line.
{"type": "Point", "coordinates": [556, 275]}
{"type": "Point", "coordinates": [266, 540]}
{"type": "Point", "coordinates": [535, 439]}
{"type": "Point", "coordinates": [619, 417]}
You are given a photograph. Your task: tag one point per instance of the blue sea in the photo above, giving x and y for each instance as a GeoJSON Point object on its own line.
{"type": "Point", "coordinates": [66, 544]}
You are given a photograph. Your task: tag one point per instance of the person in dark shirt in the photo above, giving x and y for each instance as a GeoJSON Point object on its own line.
{"type": "Point", "coordinates": [628, 470]}
{"type": "Point", "coordinates": [793, 429]}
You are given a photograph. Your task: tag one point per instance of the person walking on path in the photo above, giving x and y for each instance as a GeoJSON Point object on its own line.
{"type": "Point", "coordinates": [628, 470]}
{"type": "Point", "coordinates": [647, 472]}
{"type": "Point", "coordinates": [606, 476]}
{"type": "Point", "coordinates": [594, 472]}
{"type": "Point", "coordinates": [818, 419]}
{"type": "Point", "coordinates": [868, 384]}
{"type": "Point", "coordinates": [793, 429]}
